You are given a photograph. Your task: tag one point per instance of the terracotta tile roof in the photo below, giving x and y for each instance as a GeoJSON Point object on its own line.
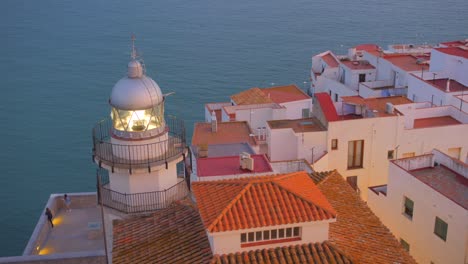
{"type": "Point", "coordinates": [171, 235]}
{"type": "Point", "coordinates": [318, 253]}
{"type": "Point", "coordinates": [219, 166]}
{"type": "Point", "coordinates": [284, 94]}
{"type": "Point", "coordinates": [228, 132]}
{"type": "Point", "coordinates": [358, 232]}
{"type": "Point", "coordinates": [251, 96]}
{"type": "Point", "coordinates": [327, 106]}
{"type": "Point", "coordinates": [330, 60]}
{"type": "Point", "coordinates": [260, 201]}
{"type": "Point", "coordinates": [358, 65]}
{"type": "Point", "coordinates": [454, 51]}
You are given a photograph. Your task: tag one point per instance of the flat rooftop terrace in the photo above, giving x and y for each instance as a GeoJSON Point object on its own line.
{"type": "Point", "coordinates": [435, 122]}
{"type": "Point", "coordinates": [75, 231]}
{"type": "Point", "coordinates": [441, 84]}
{"type": "Point", "coordinates": [445, 181]}
{"type": "Point", "coordinates": [298, 125]}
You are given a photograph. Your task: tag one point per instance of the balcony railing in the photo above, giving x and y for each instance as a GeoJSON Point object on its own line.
{"type": "Point", "coordinates": [138, 202]}
{"type": "Point", "coordinates": [135, 155]}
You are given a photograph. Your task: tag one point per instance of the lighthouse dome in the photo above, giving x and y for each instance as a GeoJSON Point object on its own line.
{"type": "Point", "coordinates": [136, 91]}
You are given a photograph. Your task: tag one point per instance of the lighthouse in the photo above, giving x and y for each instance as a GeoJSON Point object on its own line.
{"type": "Point", "coordinates": [140, 151]}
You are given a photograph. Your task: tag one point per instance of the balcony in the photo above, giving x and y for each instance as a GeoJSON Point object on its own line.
{"type": "Point", "coordinates": [138, 156]}
{"type": "Point", "coordinates": [131, 203]}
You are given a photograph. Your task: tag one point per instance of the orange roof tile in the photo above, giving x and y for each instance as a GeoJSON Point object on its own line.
{"type": "Point", "coordinates": [157, 237]}
{"type": "Point", "coordinates": [318, 253]}
{"type": "Point", "coordinates": [284, 94]}
{"type": "Point", "coordinates": [228, 132]}
{"type": "Point", "coordinates": [357, 231]}
{"type": "Point", "coordinates": [251, 96]}
{"type": "Point", "coordinates": [260, 201]}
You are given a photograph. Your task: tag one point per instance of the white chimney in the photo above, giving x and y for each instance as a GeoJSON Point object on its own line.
{"type": "Point", "coordinates": [214, 123]}
{"type": "Point", "coordinates": [447, 89]}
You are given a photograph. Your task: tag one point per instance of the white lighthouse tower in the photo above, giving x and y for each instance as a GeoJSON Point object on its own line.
{"type": "Point", "coordinates": [142, 152]}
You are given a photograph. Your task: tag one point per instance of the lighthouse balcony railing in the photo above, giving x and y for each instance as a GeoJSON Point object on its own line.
{"type": "Point", "coordinates": [135, 155]}
{"type": "Point", "coordinates": [134, 203]}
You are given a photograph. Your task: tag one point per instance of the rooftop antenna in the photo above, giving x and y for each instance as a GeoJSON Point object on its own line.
{"type": "Point", "coordinates": [134, 54]}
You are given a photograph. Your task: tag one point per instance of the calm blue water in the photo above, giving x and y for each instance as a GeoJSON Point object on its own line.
{"type": "Point", "coordinates": [60, 59]}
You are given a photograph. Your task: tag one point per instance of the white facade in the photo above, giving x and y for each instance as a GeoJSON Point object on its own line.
{"type": "Point", "coordinates": [418, 230]}
{"type": "Point", "coordinates": [379, 136]}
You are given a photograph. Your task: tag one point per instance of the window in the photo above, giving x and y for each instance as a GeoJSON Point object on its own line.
{"type": "Point", "coordinates": [355, 154]}
{"type": "Point", "coordinates": [334, 144]}
{"type": "Point", "coordinates": [296, 232]}
{"type": "Point", "coordinates": [408, 207]}
{"type": "Point", "coordinates": [404, 244]}
{"type": "Point", "coordinates": [362, 77]}
{"type": "Point", "coordinates": [251, 236]}
{"type": "Point", "coordinates": [390, 154]}
{"type": "Point", "coordinates": [352, 180]}
{"type": "Point", "coordinates": [336, 97]}
{"type": "Point", "coordinates": [330, 92]}
{"type": "Point", "coordinates": [270, 236]}
{"type": "Point", "coordinates": [440, 228]}
{"type": "Point", "coordinates": [305, 113]}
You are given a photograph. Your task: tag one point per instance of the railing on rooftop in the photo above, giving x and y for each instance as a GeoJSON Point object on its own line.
{"type": "Point", "coordinates": [128, 156]}
{"type": "Point", "coordinates": [138, 202]}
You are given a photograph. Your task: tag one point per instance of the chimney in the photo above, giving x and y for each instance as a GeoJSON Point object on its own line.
{"type": "Point", "coordinates": [214, 123]}
{"type": "Point", "coordinates": [447, 89]}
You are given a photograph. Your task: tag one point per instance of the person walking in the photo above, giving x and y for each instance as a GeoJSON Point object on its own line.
{"type": "Point", "coordinates": [49, 216]}
{"type": "Point", "coordinates": [67, 201]}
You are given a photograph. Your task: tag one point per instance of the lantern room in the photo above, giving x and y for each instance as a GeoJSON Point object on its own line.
{"type": "Point", "coordinates": [137, 105]}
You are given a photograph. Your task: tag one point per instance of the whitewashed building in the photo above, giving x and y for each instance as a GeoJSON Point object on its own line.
{"type": "Point", "coordinates": [425, 205]}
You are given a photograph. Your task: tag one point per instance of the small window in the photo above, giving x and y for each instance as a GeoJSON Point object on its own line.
{"type": "Point", "coordinates": [330, 92]}
{"type": "Point", "coordinates": [440, 228]}
{"type": "Point", "coordinates": [352, 180]}
{"type": "Point", "coordinates": [289, 232]}
{"type": "Point", "coordinates": [243, 237]}
{"type": "Point", "coordinates": [404, 244]}
{"type": "Point", "coordinates": [334, 144]}
{"type": "Point", "coordinates": [251, 236]}
{"type": "Point", "coordinates": [355, 154]}
{"type": "Point", "coordinates": [266, 234]}
{"type": "Point", "coordinates": [281, 233]}
{"type": "Point", "coordinates": [336, 97]}
{"type": "Point", "coordinates": [274, 234]}
{"type": "Point", "coordinates": [258, 235]}
{"type": "Point", "coordinates": [408, 207]}
{"type": "Point", "coordinates": [390, 154]}
{"type": "Point", "coordinates": [305, 113]}
{"type": "Point", "coordinates": [296, 231]}
{"type": "Point", "coordinates": [362, 77]}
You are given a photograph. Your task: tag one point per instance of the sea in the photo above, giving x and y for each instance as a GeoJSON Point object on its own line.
{"type": "Point", "coordinates": [59, 60]}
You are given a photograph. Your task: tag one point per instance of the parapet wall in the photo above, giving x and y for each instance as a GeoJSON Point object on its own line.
{"type": "Point", "coordinates": [42, 230]}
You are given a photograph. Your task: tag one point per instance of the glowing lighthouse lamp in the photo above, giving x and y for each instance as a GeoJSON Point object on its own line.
{"type": "Point", "coordinates": [138, 150]}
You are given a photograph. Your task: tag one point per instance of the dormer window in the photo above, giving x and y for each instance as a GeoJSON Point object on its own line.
{"type": "Point", "coordinates": [278, 235]}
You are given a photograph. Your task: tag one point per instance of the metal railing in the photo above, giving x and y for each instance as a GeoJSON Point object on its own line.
{"type": "Point", "coordinates": [139, 202]}
{"type": "Point", "coordinates": [138, 154]}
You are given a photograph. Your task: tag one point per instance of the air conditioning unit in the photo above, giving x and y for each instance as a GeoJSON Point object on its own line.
{"type": "Point", "coordinates": [246, 162]}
